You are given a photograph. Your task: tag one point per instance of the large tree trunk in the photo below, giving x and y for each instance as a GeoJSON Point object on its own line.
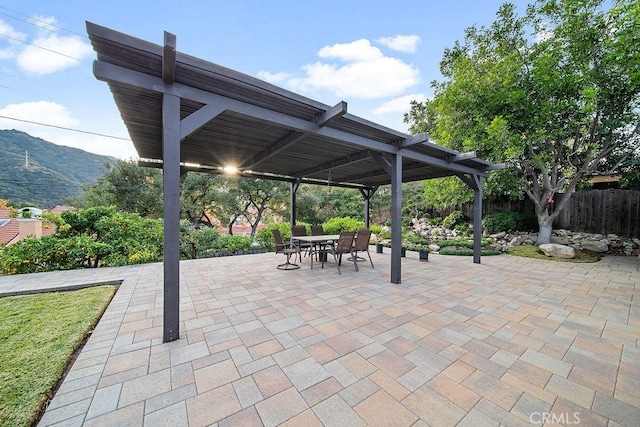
{"type": "Point", "coordinates": [545, 226]}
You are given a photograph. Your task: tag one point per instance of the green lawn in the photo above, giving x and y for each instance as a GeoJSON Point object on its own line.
{"type": "Point", "coordinates": [530, 251]}
{"type": "Point", "coordinates": [38, 336]}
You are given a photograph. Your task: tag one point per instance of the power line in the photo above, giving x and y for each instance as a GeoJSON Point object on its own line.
{"type": "Point", "coordinates": [65, 128]}
{"type": "Point", "coordinates": [48, 24]}
{"type": "Point", "coordinates": [39, 47]}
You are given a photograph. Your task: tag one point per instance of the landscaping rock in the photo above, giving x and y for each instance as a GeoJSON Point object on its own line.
{"type": "Point", "coordinates": [498, 235]}
{"type": "Point", "coordinates": [434, 248]}
{"type": "Point", "coordinates": [561, 240]}
{"type": "Point", "coordinates": [595, 246]}
{"type": "Point", "coordinates": [558, 251]}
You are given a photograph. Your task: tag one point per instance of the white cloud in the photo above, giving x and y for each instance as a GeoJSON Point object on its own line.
{"type": "Point", "coordinates": [406, 44]}
{"type": "Point", "coordinates": [363, 72]}
{"type": "Point", "coordinates": [273, 77]}
{"type": "Point", "coordinates": [401, 104]}
{"type": "Point", "coordinates": [357, 51]}
{"type": "Point", "coordinates": [13, 37]}
{"type": "Point", "coordinates": [55, 114]}
{"type": "Point", "coordinates": [39, 111]}
{"type": "Point", "coordinates": [52, 52]}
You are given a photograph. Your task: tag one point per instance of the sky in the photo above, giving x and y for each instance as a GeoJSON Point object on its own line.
{"type": "Point", "coordinates": [375, 55]}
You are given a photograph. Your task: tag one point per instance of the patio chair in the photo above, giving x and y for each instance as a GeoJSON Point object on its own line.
{"type": "Point", "coordinates": [287, 249]}
{"type": "Point", "coordinates": [317, 230]}
{"type": "Point", "coordinates": [361, 244]}
{"type": "Point", "coordinates": [301, 230]}
{"type": "Point", "coordinates": [343, 246]}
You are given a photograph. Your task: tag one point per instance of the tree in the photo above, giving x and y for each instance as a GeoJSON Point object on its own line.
{"type": "Point", "coordinates": [252, 199]}
{"type": "Point", "coordinates": [129, 188]}
{"type": "Point", "coordinates": [198, 195]}
{"type": "Point", "coordinates": [554, 93]}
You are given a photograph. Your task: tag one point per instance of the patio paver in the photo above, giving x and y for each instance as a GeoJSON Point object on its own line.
{"type": "Point", "coordinates": [455, 344]}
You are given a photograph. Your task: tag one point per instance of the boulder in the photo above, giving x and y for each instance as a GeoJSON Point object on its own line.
{"type": "Point", "coordinates": [595, 246]}
{"type": "Point", "coordinates": [516, 241]}
{"type": "Point", "coordinates": [434, 248]}
{"type": "Point", "coordinates": [499, 235]}
{"type": "Point", "coordinates": [558, 251]}
{"type": "Point", "coordinates": [561, 240]}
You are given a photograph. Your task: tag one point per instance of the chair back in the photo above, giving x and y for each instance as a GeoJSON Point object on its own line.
{"type": "Point", "coordinates": [277, 237]}
{"type": "Point", "coordinates": [345, 242]}
{"type": "Point", "coordinates": [317, 230]}
{"type": "Point", "coordinates": [298, 230]}
{"type": "Point", "coordinates": [362, 239]}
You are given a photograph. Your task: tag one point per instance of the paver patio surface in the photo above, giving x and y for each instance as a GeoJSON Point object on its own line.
{"type": "Point", "coordinates": [509, 342]}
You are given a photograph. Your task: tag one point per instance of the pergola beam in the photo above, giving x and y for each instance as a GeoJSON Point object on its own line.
{"type": "Point", "coordinates": [384, 163]}
{"type": "Point", "coordinates": [199, 118]}
{"type": "Point", "coordinates": [109, 72]}
{"type": "Point", "coordinates": [218, 171]}
{"type": "Point", "coordinates": [413, 140]}
{"type": "Point", "coordinates": [285, 142]}
{"type": "Point", "coordinates": [169, 58]}
{"type": "Point", "coordinates": [338, 110]}
{"type": "Point", "coordinates": [343, 161]}
{"type": "Point", "coordinates": [294, 137]}
{"type": "Point", "coordinates": [380, 172]}
{"type": "Point", "coordinates": [463, 156]}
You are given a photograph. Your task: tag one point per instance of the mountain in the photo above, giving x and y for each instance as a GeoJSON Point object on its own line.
{"type": "Point", "coordinates": [53, 173]}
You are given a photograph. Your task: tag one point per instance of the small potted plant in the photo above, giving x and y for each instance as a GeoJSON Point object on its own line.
{"type": "Point", "coordinates": [423, 251]}
{"type": "Point", "coordinates": [423, 254]}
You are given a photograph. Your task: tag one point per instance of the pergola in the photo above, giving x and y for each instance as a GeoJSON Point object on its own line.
{"type": "Point", "coordinates": [184, 113]}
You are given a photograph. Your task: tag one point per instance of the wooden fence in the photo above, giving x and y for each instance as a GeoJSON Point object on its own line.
{"type": "Point", "coordinates": [610, 211]}
{"type": "Point", "coordinates": [602, 211]}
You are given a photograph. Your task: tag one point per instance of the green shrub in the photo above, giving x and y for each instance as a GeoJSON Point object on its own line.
{"type": "Point", "coordinates": [206, 238]}
{"type": "Point", "coordinates": [508, 221]}
{"type": "Point", "coordinates": [417, 247]}
{"type": "Point", "coordinates": [264, 237]}
{"type": "Point", "coordinates": [463, 228]}
{"type": "Point", "coordinates": [385, 234]}
{"type": "Point", "coordinates": [416, 240]}
{"type": "Point", "coordinates": [467, 243]}
{"type": "Point", "coordinates": [467, 252]}
{"type": "Point", "coordinates": [375, 228]}
{"type": "Point", "coordinates": [196, 242]}
{"type": "Point", "coordinates": [340, 224]}
{"type": "Point", "coordinates": [92, 238]}
{"type": "Point", "coordinates": [231, 243]}
{"type": "Point", "coordinates": [435, 221]}
{"type": "Point", "coordinates": [453, 219]}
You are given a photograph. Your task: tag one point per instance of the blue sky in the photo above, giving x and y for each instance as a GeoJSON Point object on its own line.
{"type": "Point", "coordinates": [375, 55]}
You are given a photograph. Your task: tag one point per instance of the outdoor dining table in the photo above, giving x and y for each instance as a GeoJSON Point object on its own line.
{"type": "Point", "coordinates": [320, 241]}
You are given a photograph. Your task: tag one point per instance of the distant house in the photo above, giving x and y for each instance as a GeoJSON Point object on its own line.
{"type": "Point", "coordinates": [26, 224]}
{"type": "Point", "coordinates": [601, 182]}
{"type": "Point", "coordinates": [9, 227]}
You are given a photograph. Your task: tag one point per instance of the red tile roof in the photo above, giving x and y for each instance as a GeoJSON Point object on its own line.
{"type": "Point", "coordinates": [10, 230]}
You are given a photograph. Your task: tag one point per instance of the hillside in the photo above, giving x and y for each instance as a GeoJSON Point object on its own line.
{"type": "Point", "coordinates": [54, 172]}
